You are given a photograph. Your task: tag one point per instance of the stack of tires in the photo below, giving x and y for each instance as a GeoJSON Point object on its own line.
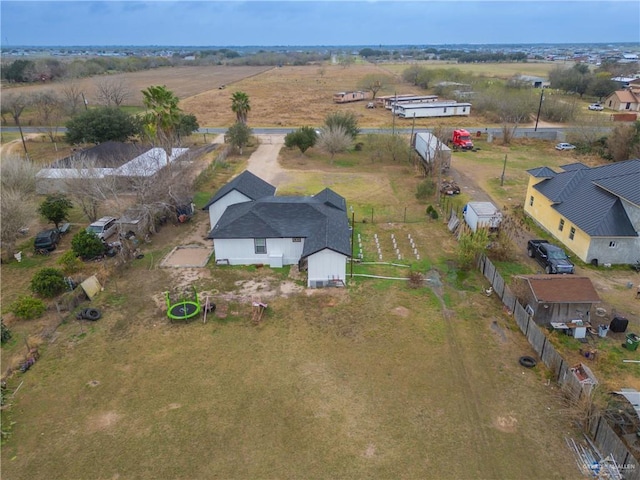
{"type": "Point", "coordinates": [91, 314]}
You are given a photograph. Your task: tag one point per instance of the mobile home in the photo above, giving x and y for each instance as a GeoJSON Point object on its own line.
{"type": "Point", "coordinates": [433, 109]}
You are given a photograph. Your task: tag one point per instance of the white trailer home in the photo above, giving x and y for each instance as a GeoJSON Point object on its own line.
{"type": "Point", "coordinates": [390, 102]}
{"type": "Point", "coordinates": [433, 109]}
{"type": "Point", "coordinates": [346, 97]}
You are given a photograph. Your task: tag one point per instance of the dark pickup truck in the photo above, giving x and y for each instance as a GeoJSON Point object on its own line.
{"type": "Point", "coordinates": [551, 257]}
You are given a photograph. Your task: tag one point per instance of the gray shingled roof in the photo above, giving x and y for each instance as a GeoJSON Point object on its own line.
{"type": "Point", "coordinates": [317, 219]}
{"type": "Point", "coordinates": [331, 198]}
{"type": "Point", "coordinates": [590, 197]}
{"type": "Point", "coordinates": [247, 184]}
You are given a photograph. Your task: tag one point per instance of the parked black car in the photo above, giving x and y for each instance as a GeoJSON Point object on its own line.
{"type": "Point", "coordinates": [47, 240]}
{"type": "Point", "coordinates": [551, 257]}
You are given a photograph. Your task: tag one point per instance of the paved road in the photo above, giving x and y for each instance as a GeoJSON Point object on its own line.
{"type": "Point", "coordinates": [495, 131]}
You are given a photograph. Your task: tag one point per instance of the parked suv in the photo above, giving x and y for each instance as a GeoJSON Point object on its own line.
{"type": "Point", "coordinates": [46, 240]}
{"type": "Point", "coordinates": [104, 227]}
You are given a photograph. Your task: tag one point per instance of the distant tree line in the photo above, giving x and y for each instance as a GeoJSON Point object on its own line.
{"type": "Point", "coordinates": [53, 69]}
{"type": "Point", "coordinates": [580, 80]}
{"type": "Point", "coordinates": [461, 56]}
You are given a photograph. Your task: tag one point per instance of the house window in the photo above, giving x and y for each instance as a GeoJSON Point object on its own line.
{"type": "Point", "coordinates": [572, 233]}
{"type": "Point", "coordinates": [561, 226]}
{"type": "Point", "coordinates": [261, 245]}
{"type": "Point", "coordinates": [464, 109]}
{"type": "Point", "coordinates": [628, 106]}
{"type": "Point", "coordinates": [445, 110]}
{"type": "Point", "coordinates": [296, 239]}
{"type": "Point", "coordinates": [531, 201]}
{"type": "Point", "coordinates": [613, 244]}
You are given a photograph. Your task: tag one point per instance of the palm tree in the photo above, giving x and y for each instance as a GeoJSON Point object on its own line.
{"type": "Point", "coordinates": [161, 122]}
{"type": "Point", "coordinates": [240, 105]}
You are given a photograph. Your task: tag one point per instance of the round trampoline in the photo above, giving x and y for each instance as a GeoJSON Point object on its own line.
{"type": "Point", "coordinates": [183, 309]}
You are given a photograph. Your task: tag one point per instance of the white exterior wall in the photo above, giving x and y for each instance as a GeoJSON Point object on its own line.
{"type": "Point", "coordinates": [326, 265]}
{"type": "Point", "coordinates": [241, 251]}
{"type": "Point", "coordinates": [427, 110]}
{"type": "Point", "coordinates": [428, 145]}
{"type": "Point", "coordinates": [217, 209]}
{"type": "Point", "coordinates": [481, 214]}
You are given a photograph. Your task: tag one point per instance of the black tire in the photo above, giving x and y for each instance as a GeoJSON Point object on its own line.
{"type": "Point", "coordinates": [527, 362]}
{"type": "Point", "coordinates": [530, 252]}
{"type": "Point", "coordinates": [92, 314]}
{"type": "Point", "coordinates": [548, 270]}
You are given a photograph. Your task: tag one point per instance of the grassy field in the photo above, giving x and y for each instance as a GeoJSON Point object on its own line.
{"type": "Point", "coordinates": [378, 380]}
{"type": "Point", "coordinates": [373, 383]}
{"type": "Point", "coordinates": [289, 96]}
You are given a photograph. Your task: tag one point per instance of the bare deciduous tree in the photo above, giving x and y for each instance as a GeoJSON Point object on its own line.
{"type": "Point", "coordinates": [620, 143]}
{"type": "Point", "coordinates": [72, 100]}
{"type": "Point", "coordinates": [112, 91]}
{"type": "Point", "coordinates": [14, 105]}
{"type": "Point", "coordinates": [334, 139]}
{"type": "Point", "coordinates": [374, 82]}
{"type": "Point", "coordinates": [158, 189]}
{"type": "Point", "coordinates": [19, 174]}
{"type": "Point", "coordinates": [17, 212]}
{"type": "Point", "coordinates": [16, 205]}
{"type": "Point", "coordinates": [89, 187]}
{"type": "Point", "coordinates": [49, 110]}
{"type": "Point", "coordinates": [513, 107]}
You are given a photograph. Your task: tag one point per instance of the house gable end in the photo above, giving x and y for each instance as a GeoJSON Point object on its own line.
{"type": "Point", "coordinates": [247, 184]}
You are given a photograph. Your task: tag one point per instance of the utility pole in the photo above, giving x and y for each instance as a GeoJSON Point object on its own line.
{"type": "Point", "coordinates": [84, 100]}
{"type": "Point", "coordinates": [353, 230]}
{"type": "Point", "coordinates": [411, 142]}
{"type": "Point", "coordinates": [504, 167]}
{"type": "Point", "coordinates": [539, 108]}
{"type": "Point", "coordinates": [393, 113]}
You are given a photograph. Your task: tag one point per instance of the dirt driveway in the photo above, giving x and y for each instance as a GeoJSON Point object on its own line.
{"type": "Point", "coordinates": [264, 161]}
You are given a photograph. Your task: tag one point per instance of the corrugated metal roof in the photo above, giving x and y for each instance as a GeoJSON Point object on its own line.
{"type": "Point", "coordinates": [590, 197]}
{"type": "Point", "coordinates": [625, 186]}
{"type": "Point", "coordinates": [562, 289]}
{"type": "Point", "coordinates": [246, 183]}
{"type": "Point", "coordinates": [633, 396]}
{"type": "Point", "coordinates": [105, 155]}
{"type": "Point", "coordinates": [542, 172]}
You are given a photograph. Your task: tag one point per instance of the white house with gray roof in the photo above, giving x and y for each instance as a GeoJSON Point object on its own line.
{"type": "Point", "coordinates": [243, 188]}
{"type": "Point", "coordinates": [593, 211]}
{"type": "Point", "coordinates": [260, 228]}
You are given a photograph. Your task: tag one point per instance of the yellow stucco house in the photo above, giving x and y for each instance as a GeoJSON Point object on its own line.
{"type": "Point", "coordinates": [594, 212]}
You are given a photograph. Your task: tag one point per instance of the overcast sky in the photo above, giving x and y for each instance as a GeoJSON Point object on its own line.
{"type": "Point", "coordinates": [305, 22]}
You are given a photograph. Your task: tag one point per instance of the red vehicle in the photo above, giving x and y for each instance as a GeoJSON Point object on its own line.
{"type": "Point", "coordinates": [461, 139]}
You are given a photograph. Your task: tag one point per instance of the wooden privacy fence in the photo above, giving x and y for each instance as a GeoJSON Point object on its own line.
{"type": "Point", "coordinates": [604, 437]}
{"type": "Point", "coordinates": [608, 442]}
